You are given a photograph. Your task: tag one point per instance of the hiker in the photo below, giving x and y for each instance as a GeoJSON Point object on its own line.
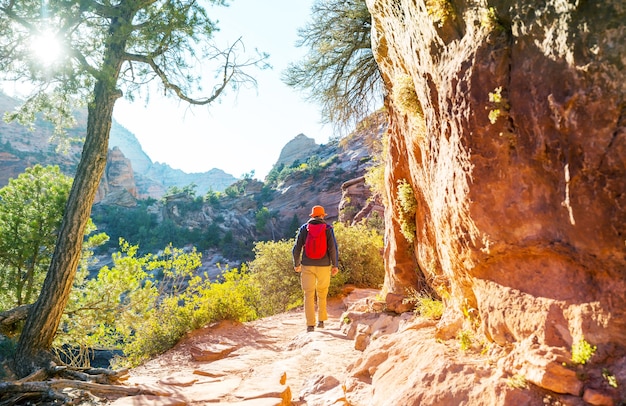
{"type": "Point", "coordinates": [316, 258]}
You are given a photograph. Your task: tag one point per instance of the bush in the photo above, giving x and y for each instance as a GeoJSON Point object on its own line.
{"type": "Point", "coordinates": [233, 297]}
{"type": "Point", "coordinates": [360, 263]}
{"type": "Point", "coordinates": [272, 272]}
{"type": "Point", "coordinates": [407, 207]}
{"type": "Point", "coordinates": [425, 304]}
{"type": "Point", "coordinates": [360, 255]}
{"type": "Point", "coordinates": [405, 97]}
{"type": "Point", "coordinates": [144, 305]}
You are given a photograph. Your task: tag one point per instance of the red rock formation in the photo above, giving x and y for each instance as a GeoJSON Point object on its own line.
{"type": "Point", "coordinates": [357, 203]}
{"type": "Point", "coordinates": [509, 125]}
{"type": "Point", "coordinates": [118, 182]}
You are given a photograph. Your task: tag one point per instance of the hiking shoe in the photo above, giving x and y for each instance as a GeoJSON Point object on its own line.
{"type": "Point", "coordinates": [320, 324]}
{"type": "Point", "coordinates": [310, 329]}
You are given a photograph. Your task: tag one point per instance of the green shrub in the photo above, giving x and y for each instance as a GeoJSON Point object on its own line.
{"type": "Point", "coordinates": [499, 105]}
{"type": "Point", "coordinates": [234, 296]}
{"type": "Point", "coordinates": [491, 21]}
{"type": "Point", "coordinates": [272, 271]}
{"type": "Point", "coordinates": [517, 381]}
{"type": "Point", "coordinates": [231, 297]}
{"type": "Point", "coordinates": [360, 263]}
{"type": "Point", "coordinates": [466, 338]}
{"type": "Point", "coordinates": [426, 305]}
{"type": "Point", "coordinates": [144, 304]}
{"type": "Point", "coordinates": [441, 11]}
{"type": "Point", "coordinates": [405, 96]}
{"type": "Point", "coordinates": [262, 216]}
{"type": "Point", "coordinates": [407, 207]}
{"type": "Point", "coordinates": [360, 255]}
{"type": "Point", "coordinates": [375, 174]}
{"type": "Point", "coordinates": [582, 351]}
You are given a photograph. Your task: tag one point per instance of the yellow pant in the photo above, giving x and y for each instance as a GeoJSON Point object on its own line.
{"type": "Point", "coordinates": [315, 279]}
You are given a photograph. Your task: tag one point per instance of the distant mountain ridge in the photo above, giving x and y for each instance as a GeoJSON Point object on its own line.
{"type": "Point", "coordinates": [21, 148]}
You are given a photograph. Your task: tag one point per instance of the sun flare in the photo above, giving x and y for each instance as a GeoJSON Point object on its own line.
{"type": "Point", "coordinates": [47, 48]}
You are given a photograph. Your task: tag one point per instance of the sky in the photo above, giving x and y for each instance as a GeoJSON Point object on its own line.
{"type": "Point", "coordinates": [245, 130]}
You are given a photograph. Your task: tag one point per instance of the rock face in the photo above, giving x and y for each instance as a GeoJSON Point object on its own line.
{"type": "Point", "coordinates": [509, 125]}
{"type": "Point", "coordinates": [21, 148]}
{"type": "Point", "coordinates": [341, 163]}
{"type": "Point", "coordinates": [118, 183]}
{"type": "Point", "coordinates": [214, 179]}
{"type": "Point", "coordinates": [298, 149]}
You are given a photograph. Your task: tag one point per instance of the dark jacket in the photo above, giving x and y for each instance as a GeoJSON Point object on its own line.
{"type": "Point", "coordinates": [332, 251]}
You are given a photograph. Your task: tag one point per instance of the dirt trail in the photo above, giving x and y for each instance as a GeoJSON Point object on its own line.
{"type": "Point", "coordinates": [266, 362]}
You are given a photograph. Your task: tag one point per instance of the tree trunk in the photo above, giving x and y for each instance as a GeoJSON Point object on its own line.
{"type": "Point", "coordinates": [45, 316]}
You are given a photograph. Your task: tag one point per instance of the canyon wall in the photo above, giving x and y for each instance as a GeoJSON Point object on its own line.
{"type": "Point", "coordinates": [508, 125]}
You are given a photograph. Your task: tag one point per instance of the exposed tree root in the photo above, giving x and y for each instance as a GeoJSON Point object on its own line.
{"type": "Point", "coordinates": [68, 386]}
{"type": "Point", "coordinates": [60, 385]}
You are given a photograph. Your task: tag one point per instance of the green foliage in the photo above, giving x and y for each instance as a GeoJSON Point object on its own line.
{"type": "Point", "coordinates": [360, 263]}
{"type": "Point", "coordinates": [499, 105]}
{"type": "Point", "coordinates": [376, 222]}
{"type": "Point", "coordinates": [466, 338]}
{"type": "Point", "coordinates": [491, 21]}
{"type": "Point", "coordinates": [161, 39]}
{"type": "Point", "coordinates": [375, 179]}
{"type": "Point", "coordinates": [140, 226]}
{"type": "Point", "coordinates": [234, 296]}
{"type": "Point", "coordinates": [339, 71]}
{"type": "Point", "coordinates": [405, 96]}
{"type": "Point", "coordinates": [213, 198]}
{"type": "Point", "coordinates": [441, 11]}
{"type": "Point", "coordinates": [360, 255]}
{"type": "Point", "coordinates": [234, 190]}
{"type": "Point", "coordinates": [112, 49]}
{"type": "Point", "coordinates": [239, 188]}
{"type": "Point", "coordinates": [188, 191]}
{"type": "Point", "coordinates": [292, 227]}
{"type": "Point", "coordinates": [610, 378]}
{"type": "Point", "coordinates": [102, 309]}
{"type": "Point", "coordinates": [7, 348]}
{"type": "Point", "coordinates": [375, 174]}
{"type": "Point", "coordinates": [7, 351]}
{"type": "Point", "coordinates": [143, 305]}
{"type": "Point", "coordinates": [407, 208]}
{"type": "Point", "coordinates": [425, 304]}
{"type": "Point", "coordinates": [312, 167]}
{"type": "Point", "coordinates": [266, 195]}
{"type": "Point", "coordinates": [272, 271]}
{"type": "Point", "coordinates": [31, 210]}
{"type": "Point", "coordinates": [517, 382]}
{"type": "Point", "coordinates": [347, 211]}
{"type": "Point", "coordinates": [582, 351]}
{"type": "Point", "coordinates": [262, 216]}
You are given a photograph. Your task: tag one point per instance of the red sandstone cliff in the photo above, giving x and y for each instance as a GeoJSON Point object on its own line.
{"type": "Point", "coordinates": [118, 182]}
{"type": "Point", "coordinates": [507, 120]}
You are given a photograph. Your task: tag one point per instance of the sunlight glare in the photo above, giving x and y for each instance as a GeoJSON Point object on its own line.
{"type": "Point", "coordinates": [46, 47]}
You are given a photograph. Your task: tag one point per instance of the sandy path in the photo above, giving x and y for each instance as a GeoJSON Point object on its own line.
{"type": "Point", "coordinates": [257, 363]}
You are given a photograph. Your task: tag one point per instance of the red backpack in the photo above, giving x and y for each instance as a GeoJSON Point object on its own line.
{"type": "Point", "coordinates": [315, 243]}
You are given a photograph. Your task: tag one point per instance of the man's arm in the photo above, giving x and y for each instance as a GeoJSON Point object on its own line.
{"type": "Point", "coordinates": [296, 251]}
{"type": "Point", "coordinates": [333, 252]}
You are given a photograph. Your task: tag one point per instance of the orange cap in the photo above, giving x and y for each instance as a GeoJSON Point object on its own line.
{"type": "Point", "coordinates": [317, 211]}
